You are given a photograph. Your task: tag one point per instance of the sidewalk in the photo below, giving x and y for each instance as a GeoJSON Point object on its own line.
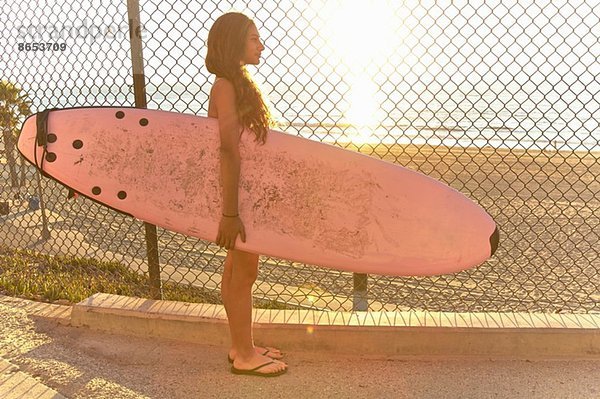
{"type": "Point", "coordinates": [16, 384]}
{"type": "Point", "coordinates": [87, 363]}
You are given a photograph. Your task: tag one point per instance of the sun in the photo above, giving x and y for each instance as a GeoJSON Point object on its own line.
{"type": "Point", "coordinates": [359, 36]}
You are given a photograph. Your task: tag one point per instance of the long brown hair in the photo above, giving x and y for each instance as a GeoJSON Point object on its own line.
{"type": "Point", "coordinates": [226, 46]}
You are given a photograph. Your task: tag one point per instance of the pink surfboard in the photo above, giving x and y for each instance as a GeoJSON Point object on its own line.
{"type": "Point", "coordinates": [299, 199]}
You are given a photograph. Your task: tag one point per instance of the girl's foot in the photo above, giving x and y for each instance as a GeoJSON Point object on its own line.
{"type": "Point", "coordinates": [273, 353]}
{"type": "Point", "coordinates": [258, 365]}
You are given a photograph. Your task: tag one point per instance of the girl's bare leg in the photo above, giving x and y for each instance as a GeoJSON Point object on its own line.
{"type": "Point", "coordinates": [226, 281]}
{"type": "Point", "coordinates": [241, 269]}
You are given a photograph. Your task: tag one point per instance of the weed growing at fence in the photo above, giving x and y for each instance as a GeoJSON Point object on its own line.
{"type": "Point", "coordinates": [40, 277]}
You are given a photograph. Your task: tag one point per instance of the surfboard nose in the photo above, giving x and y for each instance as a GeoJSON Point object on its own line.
{"type": "Point", "coordinates": [494, 240]}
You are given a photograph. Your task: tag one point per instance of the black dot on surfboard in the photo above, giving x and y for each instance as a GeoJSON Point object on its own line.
{"type": "Point", "coordinates": [77, 144]}
{"type": "Point", "coordinates": [144, 122]}
{"type": "Point", "coordinates": [51, 138]}
{"type": "Point", "coordinates": [122, 195]}
{"type": "Point", "coordinates": [96, 190]}
{"type": "Point", "coordinates": [120, 115]}
{"type": "Point", "coordinates": [50, 157]}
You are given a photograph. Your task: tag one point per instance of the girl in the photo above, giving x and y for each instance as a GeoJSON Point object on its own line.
{"type": "Point", "coordinates": [234, 42]}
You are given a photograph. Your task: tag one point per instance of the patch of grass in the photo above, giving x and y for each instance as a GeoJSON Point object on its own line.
{"type": "Point", "coordinates": [30, 275]}
{"type": "Point", "coordinates": [271, 304]}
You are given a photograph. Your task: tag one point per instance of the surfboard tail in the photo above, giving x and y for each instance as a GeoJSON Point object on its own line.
{"type": "Point", "coordinates": [33, 141]}
{"type": "Point", "coordinates": [26, 141]}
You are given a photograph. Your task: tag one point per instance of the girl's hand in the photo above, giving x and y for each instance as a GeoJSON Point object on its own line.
{"type": "Point", "coordinates": [229, 228]}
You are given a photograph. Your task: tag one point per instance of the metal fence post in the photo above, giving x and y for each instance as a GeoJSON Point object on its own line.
{"type": "Point", "coordinates": [360, 302]}
{"type": "Point", "coordinates": [45, 231]}
{"type": "Point", "coordinates": [139, 91]}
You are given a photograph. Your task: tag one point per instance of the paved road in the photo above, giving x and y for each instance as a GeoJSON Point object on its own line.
{"type": "Point", "coordinates": [81, 363]}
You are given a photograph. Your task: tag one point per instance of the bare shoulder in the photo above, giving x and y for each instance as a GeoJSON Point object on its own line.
{"type": "Point", "coordinates": [223, 88]}
{"type": "Point", "coordinates": [222, 102]}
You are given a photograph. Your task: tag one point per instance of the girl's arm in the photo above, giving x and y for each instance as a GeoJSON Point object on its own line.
{"type": "Point", "coordinates": [229, 130]}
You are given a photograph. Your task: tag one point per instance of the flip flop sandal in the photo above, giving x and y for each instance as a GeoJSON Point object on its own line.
{"type": "Point", "coordinates": [230, 360]}
{"type": "Point", "coordinates": [256, 373]}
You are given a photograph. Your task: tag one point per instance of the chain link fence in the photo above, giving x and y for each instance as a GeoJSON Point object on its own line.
{"type": "Point", "coordinates": [500, 100]}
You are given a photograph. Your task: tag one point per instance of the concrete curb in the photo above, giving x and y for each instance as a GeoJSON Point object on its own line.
{"type": "Point", "coordinates": [390, 334]}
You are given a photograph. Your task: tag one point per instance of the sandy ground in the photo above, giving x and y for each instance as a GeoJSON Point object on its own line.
{"type": "Point", "coordinates": [82, 363]}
